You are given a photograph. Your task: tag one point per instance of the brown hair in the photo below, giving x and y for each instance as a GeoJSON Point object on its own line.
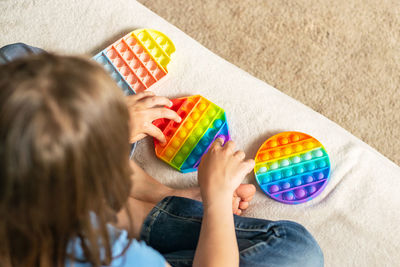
{"type": "Point", "coordinates": [64, 157]}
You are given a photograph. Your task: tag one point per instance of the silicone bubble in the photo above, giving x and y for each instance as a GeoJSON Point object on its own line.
{"type": "Point", "coordinates": [187, 141]}
{"type": "Point", "coordinates": [292, 167]}
{"type": "Point", "coordinates": [134, 55]}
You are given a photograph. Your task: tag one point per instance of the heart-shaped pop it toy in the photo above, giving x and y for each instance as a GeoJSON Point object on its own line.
{"type": "Point", "coordinates": [202, 122]}
{"type": "Point", "coordinates": [292, 167]}
{"type": "Point", "coordinates": [138, 60]}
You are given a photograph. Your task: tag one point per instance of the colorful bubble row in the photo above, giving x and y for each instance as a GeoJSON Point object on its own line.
{"type": "Point", "coordinates": [138, 60]}
{"type": "Point", "coordinates": [202, 122]}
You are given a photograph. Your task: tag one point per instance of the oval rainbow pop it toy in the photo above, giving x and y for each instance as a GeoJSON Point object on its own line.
{"type": "Point", "coordinates": [292, 167]}
{"type": "Point", "coordinates": [138, 60]}
{"type": "Point", "coordinates": [187, 141]}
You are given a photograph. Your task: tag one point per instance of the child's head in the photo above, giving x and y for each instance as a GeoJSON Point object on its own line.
{"type": "Point", "coordinates": [63, 157]}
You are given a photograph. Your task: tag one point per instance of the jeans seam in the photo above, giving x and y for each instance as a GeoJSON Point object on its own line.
{"type": "Point", "coordinates": [180, 217]}
{"type": "Point", "coordinates": [282, 232]}
{"type": "Point", "coordinates": [149, 221]}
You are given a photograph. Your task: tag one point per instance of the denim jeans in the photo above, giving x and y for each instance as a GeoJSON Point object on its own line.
{"type": "Point", "coordinates": [173, 228]}
{"type": "Point", "coordinates": [12, 52]}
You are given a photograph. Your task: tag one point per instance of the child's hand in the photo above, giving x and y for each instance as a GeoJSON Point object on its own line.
{"type": "Point", "coordinates": [222, 170]}
{"type": "Point", "coordinates": [144, 108]}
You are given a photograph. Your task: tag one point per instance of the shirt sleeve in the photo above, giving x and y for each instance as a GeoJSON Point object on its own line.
{"type": "Point", "coordinates": [137, 254]}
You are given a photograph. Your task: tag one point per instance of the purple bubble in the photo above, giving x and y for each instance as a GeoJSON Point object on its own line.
{"type": "Point", "coordinates": [300, 193]}
{"type": "Point", "coordinates": [273, 188]}
{"type": "Point", "coordinates": [320, 175]}
{"type": "Point", "coordinates": [288, 196]}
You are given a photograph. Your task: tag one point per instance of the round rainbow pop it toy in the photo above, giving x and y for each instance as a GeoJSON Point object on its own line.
{"type": "Point", "coordinates": [187, 141]}
{"type": "Point", "coordinates": [292, 167]}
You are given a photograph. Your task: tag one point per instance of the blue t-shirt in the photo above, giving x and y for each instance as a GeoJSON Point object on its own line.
{"type": "Point", "coordinates": [138, 253]}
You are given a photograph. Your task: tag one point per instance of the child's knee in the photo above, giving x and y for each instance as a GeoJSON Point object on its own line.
{"type": "Point", "coordinates": [301, 247]}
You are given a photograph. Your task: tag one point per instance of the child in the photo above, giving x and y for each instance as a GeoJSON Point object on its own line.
{"type": "Point", "coordinates": [70, 196]}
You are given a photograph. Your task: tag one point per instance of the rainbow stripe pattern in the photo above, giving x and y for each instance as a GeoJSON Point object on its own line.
{"type": "Point", "coordinates": [187, 141]}
{"type": "Point", "coordinates": [138, 60]}
{"type": "Point", "coordinates": [292, 167]}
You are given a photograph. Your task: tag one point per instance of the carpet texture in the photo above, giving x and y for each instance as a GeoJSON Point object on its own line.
{"type": "Point", "coordinates": [341, 58]}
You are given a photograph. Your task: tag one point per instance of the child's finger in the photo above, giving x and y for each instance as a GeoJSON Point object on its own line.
{"type": "Point", "coordinates": [230, 145]}
{"type": "Point", "coordinates": [240, 154]}
{"type": "Point", "coordinates": [160, 113]}
{"type": "Point", "coordinates": [217, 143]}
{"type": "Point", "coordinates": [249, 165]}
{"type": "Point", "coordinates": [155, 101]}
{"type": "Point", "coordinates": [156, 133]}
{"type": "Point", "coordinates": [136, 97]}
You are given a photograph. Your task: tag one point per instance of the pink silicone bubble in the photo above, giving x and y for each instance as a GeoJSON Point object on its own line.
{"type": "Point", "coordinates": [125, 71]}
{"type": "Point", "coordinates": [138, 49]}
{"type": "Point", "coordinates": [111, 54]}
{"type": "Point", "coordinates": [138, 86]}
{"type": "Point", "coordinates": [151, 65]}
{"type": "Point", "coordinates": [134, 64]}
{"type": "Point", "coordinates": [121, 47]}
{"type": "Point", "coordinates": [150, 82]}
{"type": "Point", "coordinates": [128, 55]}
{"type": "Point", "coordinates": [146, 78]}
{"type": "Point", "coordinates": [141, 72]}
{"type": "Point", "coordinates": [118, 62]}
{"type": "Point", "coordinates": [144, 57]}
{"type": "Point", "coordinates": [131, 41]}
{"type": "Point", "coordinates": [131, 79]}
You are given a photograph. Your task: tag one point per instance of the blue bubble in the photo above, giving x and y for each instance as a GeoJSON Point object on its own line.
{"type": "Point", "coordinates": [297, 182]}
{"type": "Point", "coordinates": [218, 123]}
{"type": "Point", "coordinates": [285, 185]}
{"type": "Point", "coordinates": [198, 151]}
{"type": "Point", "coordinates": [288, 173]}
{"type": "Point", "coordinates": [289, 195]}
{"type": "Point", "coordinates": [277, 175]}
{"type": "Point", "coordinates": [191, 160]}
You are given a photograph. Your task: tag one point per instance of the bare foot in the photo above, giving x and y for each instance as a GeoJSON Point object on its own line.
{"type": "Point", "coordinates": [240, 200]}
{"type": "Point", "coordinates": [242, 197]}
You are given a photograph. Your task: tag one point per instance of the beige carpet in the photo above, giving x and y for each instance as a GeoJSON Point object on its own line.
{"type": "Point", "coordinates": [341, 58]}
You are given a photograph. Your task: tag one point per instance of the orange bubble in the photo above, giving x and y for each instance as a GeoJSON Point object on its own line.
{"type": "Point", "coordinates": [273, 143]}
{"type": "Point", "coordinates": [284, 140]}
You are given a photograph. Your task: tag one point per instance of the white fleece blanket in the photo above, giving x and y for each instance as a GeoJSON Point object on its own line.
{"type": "Point", "coordinates": [355, 220]}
